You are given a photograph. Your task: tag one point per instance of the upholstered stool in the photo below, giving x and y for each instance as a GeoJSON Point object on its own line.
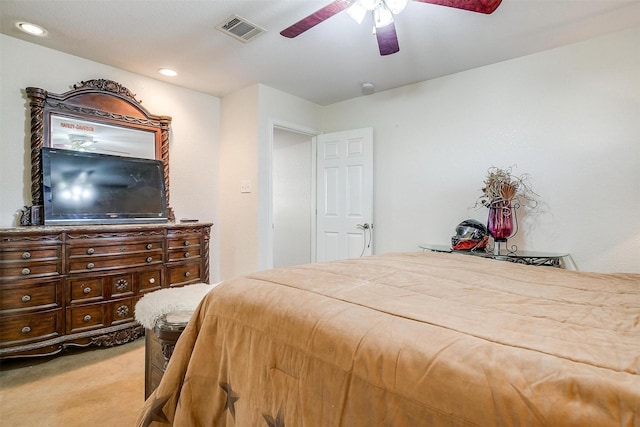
{"type": "Point", "coordinates": [164, 315]}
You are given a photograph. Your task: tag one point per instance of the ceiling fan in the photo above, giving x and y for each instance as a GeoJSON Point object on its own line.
{"type": "Point", "coordinates": [383, 11]}
{"type": "Point", "coordinates": [81, 142]}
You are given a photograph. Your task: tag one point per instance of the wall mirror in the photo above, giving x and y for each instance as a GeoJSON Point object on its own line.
{"type": "Point", "coordinates": [99, 116]}
{"type": "Point", "coordinates": [81, 135]}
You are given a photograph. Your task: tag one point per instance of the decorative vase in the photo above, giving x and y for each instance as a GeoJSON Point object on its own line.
{"type": "Point", "coordinates": [500, 223]}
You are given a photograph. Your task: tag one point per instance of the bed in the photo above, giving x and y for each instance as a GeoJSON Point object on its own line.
{"type": "Point", "coordinates": [408, 339]}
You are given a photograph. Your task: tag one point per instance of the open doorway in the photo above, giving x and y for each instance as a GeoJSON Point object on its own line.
{"type": "Point", "coordinates": [293, 197]}
{"type": "Point", "coordinates": [302, 182]}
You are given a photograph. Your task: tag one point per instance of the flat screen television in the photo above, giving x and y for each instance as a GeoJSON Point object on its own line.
{"type": "Point", "coordinates": [91, 188]}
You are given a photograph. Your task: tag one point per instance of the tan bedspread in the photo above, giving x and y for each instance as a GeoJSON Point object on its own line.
{"type": "Point", "coordinates": [420, 339]}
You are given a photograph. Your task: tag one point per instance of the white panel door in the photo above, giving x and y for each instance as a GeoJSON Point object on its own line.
{"type": "Point", "coordinates": [344, 195]}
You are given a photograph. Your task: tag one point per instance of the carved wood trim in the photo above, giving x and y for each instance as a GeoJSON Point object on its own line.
{"type": "Point", "coordinates": [181, 231]}
{"type": "Point", "coordinates": [114, 335]}
{"type": "Point", "coordinates": [206, 233]}
{"type": "Point", "coordinates": [39, 238]}
{"type": "Point", "coordinates": [105, 235]}
{"type": "Point", "coordinates": [38, 97]}
{"type": "Point", "coordinates": [107, 86]}
{"type": "Point", "coordinates": [118, 337]}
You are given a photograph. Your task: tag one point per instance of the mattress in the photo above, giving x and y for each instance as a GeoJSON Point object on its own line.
{"type": "Point", "coordinates": [408, 339]}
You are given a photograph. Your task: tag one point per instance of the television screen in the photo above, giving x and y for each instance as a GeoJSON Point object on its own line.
{"type": "Point", "coordinates": [90, 188]}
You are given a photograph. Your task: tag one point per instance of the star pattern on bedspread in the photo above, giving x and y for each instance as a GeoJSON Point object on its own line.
{"type": "Point", "coordinates": [232, 398]}
{"type": "Point", "coordinates": [156, 413]}
{"type": "Point", "coordinates": [278, 421]}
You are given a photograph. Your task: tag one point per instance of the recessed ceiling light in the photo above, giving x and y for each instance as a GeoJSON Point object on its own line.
{"type": "Point", "coordinates": [33, 29]}
{"type": "Point", "coordinates": [167, 72]}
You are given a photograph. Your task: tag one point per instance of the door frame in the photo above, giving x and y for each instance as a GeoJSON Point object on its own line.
{"type": "Point", "coordinates": [312, 133]}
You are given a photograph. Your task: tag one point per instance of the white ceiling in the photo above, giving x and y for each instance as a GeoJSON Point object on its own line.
{"type": "Point", "coordinates": [326, 64]}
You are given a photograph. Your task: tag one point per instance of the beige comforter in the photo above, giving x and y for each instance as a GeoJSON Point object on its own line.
{"type": "Point", "coordinates": [420, 339]}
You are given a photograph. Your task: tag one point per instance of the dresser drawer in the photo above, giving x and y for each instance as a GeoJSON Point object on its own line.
{"type": "Point", "coordinates": [183, 241]}
{"type": "Point", "coordinates": [85, 289]}
{"type": "Point", "coordinates": [82, 318]}
{"type": "Point", "coordinates": [183, 274]}
{"type": "Point", "coordinates": [118, 249]}
{"type": "Point", "coordinates": [184, 253]}
{"type": "Point", "coordinates": [97, 263]}
{"type": "Point", "coordinates": [99, 315]}
{"type": "Point", "coordinates": [25, 328]}
{"type": "Point", "coordinates": [12, 271]}
{"type": "Point", "coordinates": [33, 296]}
{"type": "Point", "coordinates": [30, 255]}
{"type": "Point", "coordinates": [150, 280]}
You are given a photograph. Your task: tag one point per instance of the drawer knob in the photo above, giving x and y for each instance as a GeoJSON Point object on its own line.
{"type": "Point", "coordinates": [149, 259]}
{"type": "Point", "coordinates": [86, 290]}
{"type": "Point", "coordinates": [26, 330]}
{"type": "Point", "coordinates": [26, 298]}
{"type": "Point", "coordinates": [186, 254]}
{"type": "Point", "coordinates": [26, 271]}
{"type": "Point", "coordinates": [90, 265]}
{"type": "Point", "coordinates": [187, 274]}
{"type": "Point", "coordinates": [91, 251]}
{"type": "Point", "coordinates": [152, 280]}
{"type": "Point", "coordinates": [26, 255]}
{"type": "Point", "coordinates": [186, 243]}
{"type": "Point", "coordinates": [87, 318]}
{"type": "Point", "coordinates": [149, 246]}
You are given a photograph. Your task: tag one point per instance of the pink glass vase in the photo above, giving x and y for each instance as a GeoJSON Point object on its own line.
{"type": "Point", "coordinates": [500, 223]}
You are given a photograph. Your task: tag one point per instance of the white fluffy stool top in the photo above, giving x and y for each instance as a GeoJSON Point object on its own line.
{"type": "Point", "coordinates": [157, 303]}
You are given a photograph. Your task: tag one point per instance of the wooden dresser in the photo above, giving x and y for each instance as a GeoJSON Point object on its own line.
{"type": "Point", "coordinates": [78, 285]}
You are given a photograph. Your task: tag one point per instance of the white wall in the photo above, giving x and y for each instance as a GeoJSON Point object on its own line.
{"type": "Point", "coordinates": [569, 117]}
{"type": "Point", "coordinates": [277, 108]}
{"type": "Point", "coordinates": [239, 162]}
{"type": "Point", "coordinates": [194, 138]}
{"type": "Point", "coordinates": [248, 118]}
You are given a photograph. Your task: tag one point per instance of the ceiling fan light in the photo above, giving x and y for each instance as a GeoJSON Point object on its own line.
{"type": "Point", "coordinates": [369, 4]}
{"type": "Point", "coordinates": [81, 140]}
{"type": "Point", "coordinates": [357, 12]}
{"type": "Point", "coordinates": [396, 6]}
{"type": "Point", "coordinates": [382, 17]}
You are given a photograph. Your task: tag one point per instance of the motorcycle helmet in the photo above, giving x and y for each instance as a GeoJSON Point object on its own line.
{"type": "Point", "coordinates": [470, 235]}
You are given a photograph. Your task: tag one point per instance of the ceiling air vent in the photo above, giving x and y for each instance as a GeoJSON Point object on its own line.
{"type": "Point", "coordinates": [240, 29]}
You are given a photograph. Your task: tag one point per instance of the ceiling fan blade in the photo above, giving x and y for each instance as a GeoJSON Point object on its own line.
{"type": "Point", "coordinates": [315, 18]}
{"type": "Point", "coordinates": [387, 39]}
{"type": "Point", "coordinates": [481, 6]}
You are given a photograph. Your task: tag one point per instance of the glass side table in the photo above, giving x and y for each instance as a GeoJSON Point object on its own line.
{"type": "Point", "coordinates": [550, 259]}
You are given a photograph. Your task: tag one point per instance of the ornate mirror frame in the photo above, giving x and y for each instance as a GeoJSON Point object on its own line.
{"type": "Point", "coordinates": [103, 102]}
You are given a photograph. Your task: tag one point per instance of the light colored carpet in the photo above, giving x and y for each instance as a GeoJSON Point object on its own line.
{"type": "Point", "coordinates": [91, 387]}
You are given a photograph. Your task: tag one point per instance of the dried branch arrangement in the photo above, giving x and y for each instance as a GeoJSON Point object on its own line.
{"type": "Point", "coordinates": [501, 185]}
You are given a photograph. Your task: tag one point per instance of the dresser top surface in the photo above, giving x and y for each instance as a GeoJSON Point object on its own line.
{"type": "Point", "coordinates": [44, 229]}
